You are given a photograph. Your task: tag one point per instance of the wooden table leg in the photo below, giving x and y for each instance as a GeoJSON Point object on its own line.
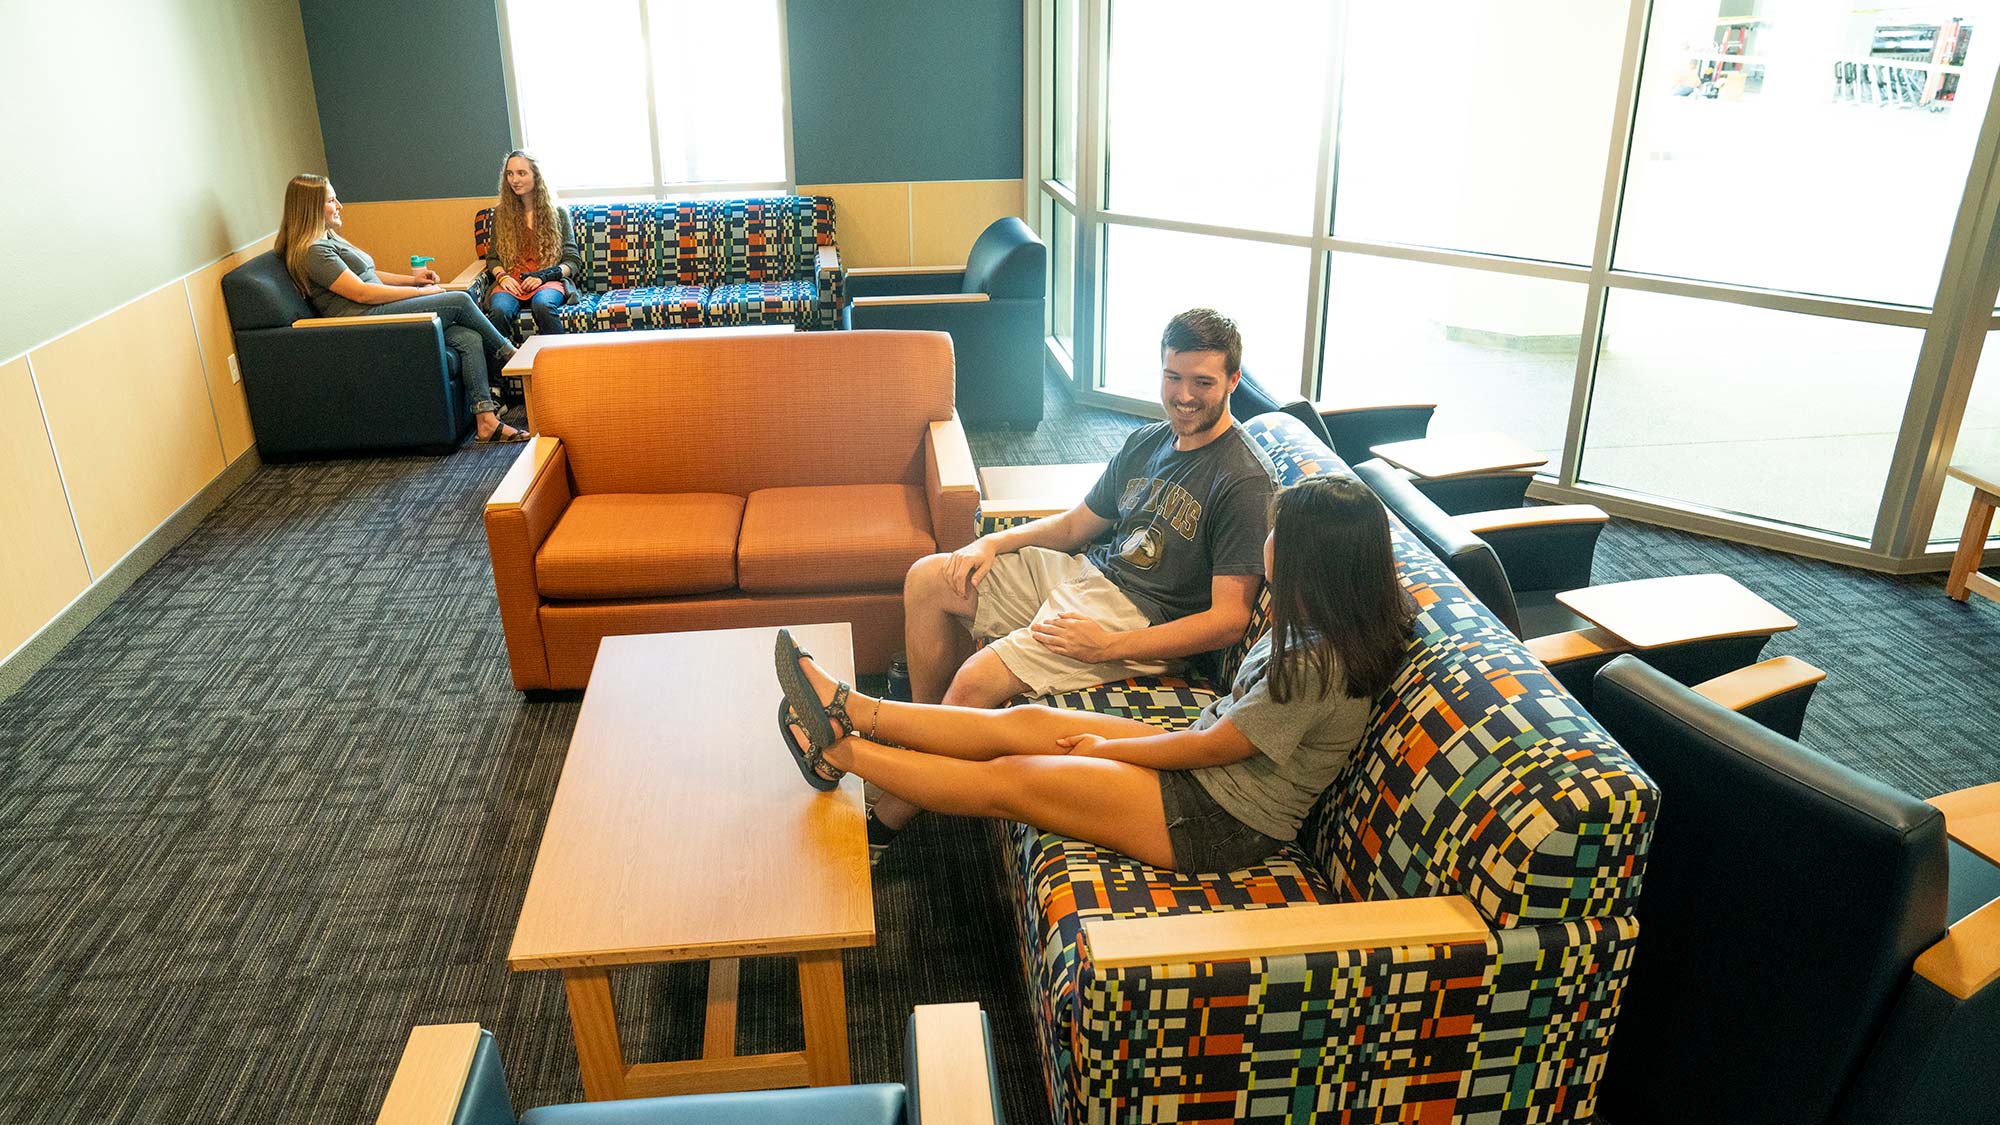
{"type": "Point", "coordinates": [823, 996]}
{"type": "Point", "coordinates": [718, 1032]}
{"type": "Point", "coordinates": [1971, 543]}
{"type": "Point", "coordinates": [599, 1055]}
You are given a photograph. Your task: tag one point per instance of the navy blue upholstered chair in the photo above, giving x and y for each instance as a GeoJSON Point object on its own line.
{"type": "Point", "coordinates": [450, 1074]}
{"type": "Point", "coordinates": [324, 384]}
{"type": "Point", "coordinates": [995, 308]}
{"type": "Point", "coordinates": [1816, 946]}
{"type": "Point", "coordinates": [1348, 429]}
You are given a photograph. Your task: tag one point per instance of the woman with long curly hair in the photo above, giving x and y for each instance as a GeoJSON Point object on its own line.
{"type": "Point", "coordinates": [532, 256]}
{"type": "Point", "coordinates": [1221, 795]}
{"type": "Point", "coordinates": [339, 279]}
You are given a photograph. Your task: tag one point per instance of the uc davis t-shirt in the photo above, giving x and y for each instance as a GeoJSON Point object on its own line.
{"type": "Point", "coordinates": [1180, 518]}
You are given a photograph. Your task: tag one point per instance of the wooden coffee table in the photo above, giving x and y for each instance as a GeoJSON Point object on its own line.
{"type": "Point", "coordinates": [1013, 491]}
{"type": "Point", "coordinates": [681, 831]}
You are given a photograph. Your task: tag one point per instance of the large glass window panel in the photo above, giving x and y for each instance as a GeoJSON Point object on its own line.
{"type": "Point", "coordinates": [604, 146]}
{"type": "Point", "coordinates": [1150, 275]}
{"type": "Point", "coordinates": [1215, 118]}
{"type": "Point", "coordinates": [1067, 49]}
{"type": "Point", "coordinates": [1490, 135]}
{"type": "Point", "coordinates": [1494, 351]}
{"type": "Point", "coordinates": [734, 129]}
{"type": "Point", "coordinates": [1062, 276]}
{"type": "Point", "coordinates": [1753, 411]}
{"type": "Point", "coordinates": [1798, 144]}
{"type": "Point", "coordinates": [1978, 442]}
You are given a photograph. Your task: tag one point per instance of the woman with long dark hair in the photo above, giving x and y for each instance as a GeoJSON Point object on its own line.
{"type": "Point", "coordinates": [1223, 794]}
{"type": "Point", "coordinates": [339, 279]}
{"type": "Point", "coordinates": [531, 257]}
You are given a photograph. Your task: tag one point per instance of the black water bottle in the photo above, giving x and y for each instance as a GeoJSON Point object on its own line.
{"type": "Point", "coordinates": [899, 678]}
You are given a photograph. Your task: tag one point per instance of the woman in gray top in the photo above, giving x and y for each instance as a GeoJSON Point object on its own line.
{"type": "Point", "coordinates": [339, 279]}
{"type": "Point", "coordinates": [1221, 795]}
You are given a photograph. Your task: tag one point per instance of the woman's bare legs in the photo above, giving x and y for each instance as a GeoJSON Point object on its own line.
{"type": "Point", "coordinates": [970, 733]}
{"type": "Point", "coordinates": [1114, 804]}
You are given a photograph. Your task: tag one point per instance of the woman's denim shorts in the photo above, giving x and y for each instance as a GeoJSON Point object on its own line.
{"type": "Point", "coordinates": [1205, 837]}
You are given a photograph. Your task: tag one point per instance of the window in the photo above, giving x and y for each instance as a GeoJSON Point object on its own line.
{"type": "Point", "coordinates": [638, 133]}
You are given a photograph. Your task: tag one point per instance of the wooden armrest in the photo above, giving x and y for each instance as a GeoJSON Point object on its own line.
{"type": "Point", "coordinates": [1576, 644]}
{"type": "Point", "coordinates": [954, 1069]}
{"type": "Point", "coordinates": [521, 478]}
{"type": "Point", "coordinates": [920, 299]}
{"type": "Point", "coordinates": [467, 276]}
{"type": "Point", "coordinates": [900, 271]}
{"type": "Point", "coordinates": [952, 455]}
{"type": "Point", "coordinates": [350, 321]}
{"type": "Point", "coordinates": [1543, 515]}
{"type": "Point", "coordinates": [431, 1076]}
{"type": "Point", "coordinates": [1968, 959]}
{"type": "Point", "coordinates": [1747, 687]}
{"type": "Point", "coordinates": [1972, 817]}
{"type": "Point", "coordinates": [827, 258]}
{"type": "Point", "coordinates": [1328, 409]}
{"type": "Point", "coordinates": [1230, 935]}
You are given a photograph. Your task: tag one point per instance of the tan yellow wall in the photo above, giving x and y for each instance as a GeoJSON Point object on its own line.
{"type": "Point", "coordinates": [146, 152]}
{"type": "Point", "coordinates": [925, 223]}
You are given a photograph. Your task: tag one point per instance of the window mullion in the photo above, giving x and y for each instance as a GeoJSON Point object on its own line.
{"type": "Point", "coordinates": [652, 103]}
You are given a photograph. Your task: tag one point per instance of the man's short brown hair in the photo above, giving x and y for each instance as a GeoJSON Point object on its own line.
{"type": "Point", "coordinates": [1205, 330]}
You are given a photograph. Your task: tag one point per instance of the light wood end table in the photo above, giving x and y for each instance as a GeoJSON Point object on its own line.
{"type": "Point", "coordinates": [1034, 490]}
{"type": "Point", "coordinates": [1460, 455]}
{"type": "Point", "coordinates": [681, 831]}
{"type": "Point", "coordinates": [1654, 612]}
{"type": "Point", "coordinates": [1965, 578]}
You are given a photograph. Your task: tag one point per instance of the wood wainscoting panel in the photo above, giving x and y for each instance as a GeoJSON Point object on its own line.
{"type": "Point", "coordinates": [130, 419]}
{"type": "Point", "coordinates": [41, 562]}
{"type": "Point", "coordinates": [946, 216]}
{"type": "Point", "coordinates": [218, 343]}
{"type": "Point", "coordinates": [392, 230]}
{"type": "Point", "coordinates": [872, 223]}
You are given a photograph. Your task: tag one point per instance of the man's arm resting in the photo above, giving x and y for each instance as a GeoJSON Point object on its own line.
{"type": "Point", "coordinates": [1231, 598]}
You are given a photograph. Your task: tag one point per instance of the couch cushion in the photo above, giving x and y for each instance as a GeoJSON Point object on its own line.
{"type": "Point", "coordinates": [762, 239]}
{"type": "Point", "coordinates": [764, 302]}
{"type": "Point", "coordinates": [642, 244]}
{"type": "Point", "coordinates": [639, 546]}
{"type": "Point", "coordinates": [672, 306]}
{"type": "Point", "coordinates": [832, 537]}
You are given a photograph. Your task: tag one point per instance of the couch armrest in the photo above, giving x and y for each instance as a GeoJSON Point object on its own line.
{"type": "Point", "coordinates": [952, 1071]}
{"type": "Point", "coordinates": [1587, 643]}
{"type": "Point", "coordinates": [1549, 547]}
{"type": "Point", "coordinates": [950, 484]}
{"type": "Point", "coordinates": [1972, 817]}
{"type": "Point", "coordinates": [1230, 935]}
{"type": "Point", "coordinates": [468, 275]}
{"type": "Point", "coordinates": [889, 281]}
{"type": "Point", "coordinates": [1330, 409]}
{"type": "Point", "coordinates": [363, 321]}
{"type": "Point", "coordinates": [431, 1076]}
{"type": "Point", "coordinates": [829, 285]}
{"type": "Point", "coordinates": [903, 271]}
{"type": "Point", "coordinates": [519, 516]}
{"type": "Point", "coordinates": [1765, 680]}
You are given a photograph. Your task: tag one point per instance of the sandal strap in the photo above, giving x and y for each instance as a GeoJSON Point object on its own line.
{"type": "Point", "coordinates": [815, 757]}
{"type": "Point", "coordinates": [837, 710]}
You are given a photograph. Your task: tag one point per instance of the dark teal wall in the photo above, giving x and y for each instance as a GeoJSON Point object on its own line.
{"type": "Point", "coordinates": [905, 89]}
{"type": "Point", "coordinates": [413, 105]}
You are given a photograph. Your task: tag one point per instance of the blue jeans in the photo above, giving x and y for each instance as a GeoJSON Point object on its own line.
{"type": "Point", "coordinates": [541, 305]}
{"type": "Point", "coordinates": [467, 332]}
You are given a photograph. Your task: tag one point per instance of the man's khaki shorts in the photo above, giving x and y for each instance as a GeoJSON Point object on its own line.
{"type": "Point", "coordinates": [1035, 584]}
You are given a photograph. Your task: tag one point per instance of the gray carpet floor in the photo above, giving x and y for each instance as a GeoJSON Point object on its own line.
{"type": "Point", "coordinates": [279, 803]}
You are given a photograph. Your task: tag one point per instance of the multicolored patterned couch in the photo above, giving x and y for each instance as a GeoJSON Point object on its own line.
{"type": "Point", "coordinates": [1446, 941]}
{"type": "Point", "coordinates": [697, 263]}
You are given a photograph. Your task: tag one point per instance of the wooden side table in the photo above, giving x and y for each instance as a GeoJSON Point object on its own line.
{"type": "Point", "coordinates": [1011, 492]}
{"type": "Point", "coordinates": [1464, 473]}
{"type": "Point", "coordinates": [681, 831]}
{"type": "Point", "coordinates": [1965, 578]}
{"type": "Point", "coordinates": [1657, 612]}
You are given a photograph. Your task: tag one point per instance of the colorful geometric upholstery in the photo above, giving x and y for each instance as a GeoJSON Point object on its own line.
{"type": "Point", "coordinates": [1479, 776]}
{"type": "Point", "coordinates": [693, 263]}
{"type": "Point", "coordinates": [764, 302]}
{"type": "Point", "coordinates": [673, 306]}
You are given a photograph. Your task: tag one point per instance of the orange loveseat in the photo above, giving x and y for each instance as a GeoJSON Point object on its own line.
{"type": "Point", "coordinates": [722, 482]}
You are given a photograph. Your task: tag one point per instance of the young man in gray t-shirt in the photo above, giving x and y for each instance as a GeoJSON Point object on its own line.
{"type": "Point", "coordinates": [1188, 502]}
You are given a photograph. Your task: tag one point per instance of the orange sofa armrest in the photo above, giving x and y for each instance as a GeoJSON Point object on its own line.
{"type": "Point", "coordinates": [519, 516]}
{"type": "Point", "coordinates": [950, 484]}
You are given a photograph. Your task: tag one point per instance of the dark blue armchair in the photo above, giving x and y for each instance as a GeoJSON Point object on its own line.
{"type": "Point", "coordinates": [324, 384]}
{"type": "Point", "coordinates": [994, 307]}
{"type": "Point", "coordinates": [450, 1074]}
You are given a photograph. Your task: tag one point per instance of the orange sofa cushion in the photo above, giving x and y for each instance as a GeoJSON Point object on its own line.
{"type": "Point", "coordinates": [832, 537]}
{"type": "Point", "coordinates": [642, 546]}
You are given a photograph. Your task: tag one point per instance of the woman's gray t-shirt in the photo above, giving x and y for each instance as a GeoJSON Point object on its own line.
{"type": "Point", "coordinates": [1301, 745]}
{"type": "Point", "coordinates": [326, 260]}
